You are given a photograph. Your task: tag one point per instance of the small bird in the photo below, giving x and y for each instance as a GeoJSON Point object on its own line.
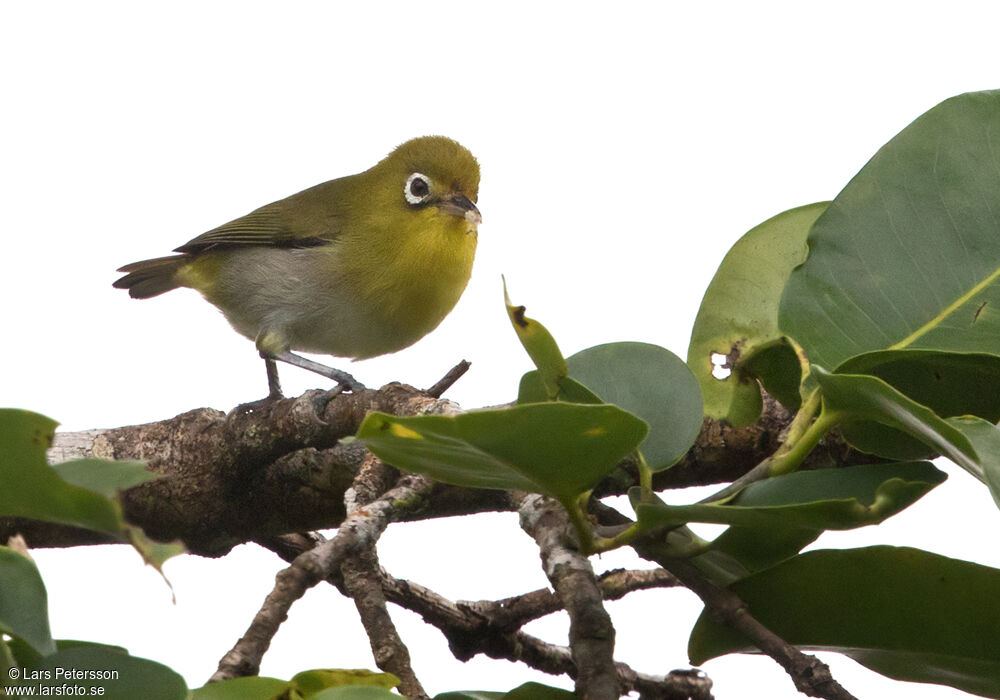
{"type": "Point", "coordinates": [356, 267]}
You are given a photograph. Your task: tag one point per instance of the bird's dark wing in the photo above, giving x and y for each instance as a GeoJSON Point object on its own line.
{"type": "Point", "coordinates": [305, 220]}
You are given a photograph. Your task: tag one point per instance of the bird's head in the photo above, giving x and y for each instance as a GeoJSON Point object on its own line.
{"type": "Point", "coordinates": [433, 174]}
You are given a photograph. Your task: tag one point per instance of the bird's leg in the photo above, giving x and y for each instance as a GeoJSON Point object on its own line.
{"type": "Point", "coordinates": [273, 384]}
{"type": "Point", "coordinates": [342, 378]}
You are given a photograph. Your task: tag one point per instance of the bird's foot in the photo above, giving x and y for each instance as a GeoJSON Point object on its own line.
{"type": "Point", "coordinates": [345, 382]}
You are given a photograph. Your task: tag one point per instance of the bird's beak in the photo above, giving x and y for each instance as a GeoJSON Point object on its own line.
{"type": "Point", "coordinates": [460, 205]}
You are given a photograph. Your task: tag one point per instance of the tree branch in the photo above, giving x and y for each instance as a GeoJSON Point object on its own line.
{"type": "Point", "coordinates": [810, 675]}
{"type": "Point", "coordinates": [360, 573]}
{"type": "Point", "coordinates": [275, 464]}
{"type": "Point", "coordinates": [514, 612]}
{"type": "Point", "coordinates": [591, 634]}
{"type": "Point", "coordinates": [280, 460]}
{"type": "Point", "coordinates": [279, 468]}
{"type": "Point", "coordinates": [361, 581]}
{"type": "Point", "coordinates": [358, 531]}
{"type": "Point", "coordinates": [484, 627]}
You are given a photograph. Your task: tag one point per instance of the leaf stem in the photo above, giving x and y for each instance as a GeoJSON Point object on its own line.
{"type": "Point", "coordinates": [803, 435]}
{"type": "Point", "coordinates": [803, 418]}
{"type": "Point", "coordinates": [622, 539]}
{"type": "Point", "coordinates": [645, 473]}
{"type": "Point", "coordinates": [791, 454]}
{"type": "Point", "coordinates": [577, 518]}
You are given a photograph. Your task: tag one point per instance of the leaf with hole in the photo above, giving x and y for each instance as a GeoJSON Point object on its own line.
{"type": "Point", "coordinates": [739, 314]}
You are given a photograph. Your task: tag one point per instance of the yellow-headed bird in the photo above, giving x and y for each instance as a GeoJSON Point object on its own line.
{"type": "Point", "coordinates": [356, 267]}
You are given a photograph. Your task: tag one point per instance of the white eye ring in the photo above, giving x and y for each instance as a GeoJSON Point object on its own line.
{"type": "Point", "coordinates": [417, 188]}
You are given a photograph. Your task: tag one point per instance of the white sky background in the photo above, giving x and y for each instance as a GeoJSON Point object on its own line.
{"type": "Point", "coordinates": [623, 151]}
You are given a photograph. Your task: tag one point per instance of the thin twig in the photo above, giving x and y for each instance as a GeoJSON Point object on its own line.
{"type": "Point", "coordinates": [445, 383]}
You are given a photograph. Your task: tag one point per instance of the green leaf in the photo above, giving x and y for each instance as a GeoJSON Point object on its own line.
{"type": "Point", "coordinates": [310, 682]}
{"type": "Point", "coordinates": [540, 346]}
{"type": "Point", "coordinates": [7, 660]}
{"type": "Point", "coordinates": [985, 438]}
{"type": "Point", "coordinates": [82, 493]}
{"type": "Point", "coordinates": [248, 688]}
{"type": "Point", "coordinates": [532, 390]}
{"type": "Point", "coordinates": [154, 553]}
{"type": "Point", "coordinates": [739, 313]}
{"type": "Point", "coordinates": [307, 684]}
{"type": "Point", "coordinates": [881, 440]}
{"type": "Point", "coordinates": [741, 551]}
{"type": "Point", "coordinates": [857, 397]}
{"type": "Point", "coordinates": [26, 656]}
{"type": "Point", "coordinates": [527, 691]}
{"type": "Point", "coordinates": [778, 368]}
{"type": "Point", "coordinates": [949, 383]}
{"type": "Point", "coordinates": [355, 692]}
{"type": "Point", "coordinates": [136, 677]}
{"type": "Point", "coordinates": [905, 613]}
{"type": "Point", "coordinates": [17, 652]}
{"type": "Point", "coordinates": [908, 254]}
{"type": "Point", "coordinates": [650, 382]}
{"type": "Point", "coordinates": [557, 449]}
{"type": "Point", "coordinates": [537, 691]}
{"type": "Point", "coordinates": [31, 489]}
{"type": "Point", "coordinates": [24, 611]}
{"type": "Point", "coordinates": [109, 478]}
{"type": "Point", "coordinates": [825, 499]}
{"type": "Point", "coordinates": [103, 476]}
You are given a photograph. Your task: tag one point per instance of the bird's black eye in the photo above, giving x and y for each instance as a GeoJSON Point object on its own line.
{"type": "Point", "coordinates": [417, 188]}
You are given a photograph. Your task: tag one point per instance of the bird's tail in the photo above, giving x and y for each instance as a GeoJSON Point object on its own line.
{"type": "Point", "coordinates": [150, 278]}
